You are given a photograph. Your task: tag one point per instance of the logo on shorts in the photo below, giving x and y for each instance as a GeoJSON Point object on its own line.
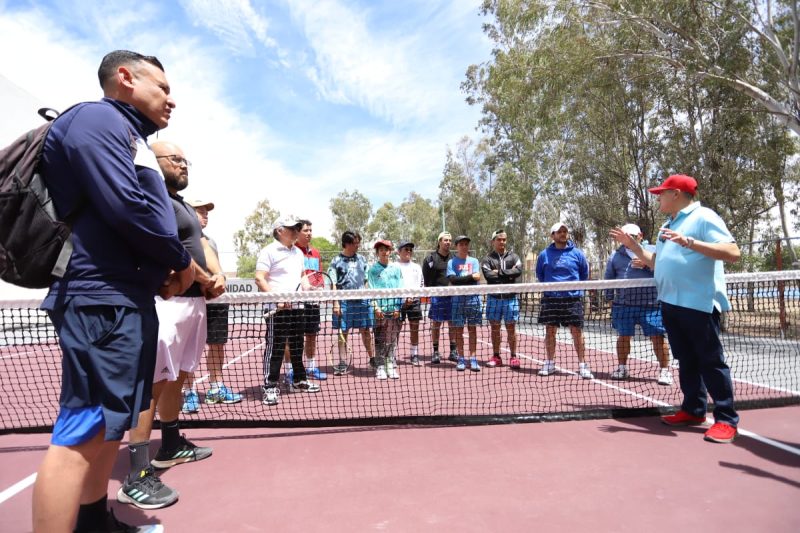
{"type": "Point", "coordinates": [165, 370]}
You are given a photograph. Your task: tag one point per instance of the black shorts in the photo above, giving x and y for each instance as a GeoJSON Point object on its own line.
{"type": "Point", "coordinates": [311, 318]}
{"type": "Point", "coordinates": [411, 312]}
{"type": "Point", "coordinates": [561, 311]}
{"type": "Point", "coordinates": [217, 320]}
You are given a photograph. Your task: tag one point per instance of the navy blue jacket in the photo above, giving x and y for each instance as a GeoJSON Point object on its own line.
{"type": "Point", "coordinates": [619, 267]}
{"type": "Point", "coordinates": [125, 236]}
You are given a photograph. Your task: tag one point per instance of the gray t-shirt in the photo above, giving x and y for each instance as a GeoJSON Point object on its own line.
{"type": "Point", "coordinates": [189, 232]}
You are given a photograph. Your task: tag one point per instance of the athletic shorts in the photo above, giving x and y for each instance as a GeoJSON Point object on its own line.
{"type": "Point", "coordinates": [217, 323]}
{"type": "Point", "coordinates": [625, 317]}
{"type": "Point", "coordinates": [466, 310]}
{"type": "Point", "coordinates": [502, 310]}
{"type": "Point", "coordinates": [561, 311]}
{"type": "Point", "coordinates": [412, 312]}
{"type": "Point", "coordinates": [441, 308]}
{"type": "Point", "coordinates": [356, 314]}
{"type": "Point", "coordinates": [181, 336]}
{"type": "Point", "coordinates": [108, 356]}
{"type": "Point", "coordinates": [311, 318]}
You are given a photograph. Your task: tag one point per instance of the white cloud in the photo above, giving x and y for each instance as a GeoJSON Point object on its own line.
{"type": "Point", "coordinates": [235, 22]}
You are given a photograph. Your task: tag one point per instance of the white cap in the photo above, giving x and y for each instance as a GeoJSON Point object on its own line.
{"type": "Point", "coordinates": [557, 226]}
{"type": "Point", "coordinates": [631, 229]}
{"type": "Point", "coordinates": [287, 221]}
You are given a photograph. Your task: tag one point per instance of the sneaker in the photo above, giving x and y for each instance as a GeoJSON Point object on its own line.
{"type": "Point", "coordinates": [494, 361]}
{"type": "Point", "coordinates": [473, 365]}
{"type": "Point", "coordinates": [391, 370]}
{"type": "Point", "coordinates": [340, 369]}
{"type": "Point", "coordinates": [305, 386]}
{"type": "Point", "coordinates": [513, 363]}
{"type": "Point", "coordinates": [316, 373]}
{"type": "Point", "coordinates": [461, 365]}
{"type": "Point", "coordinates": [682, 418]}
{"type": "Point", "coordinates": [453, 356]}
{"type": "Point", "coordinates": [584, 372]}
{"type": "Point", "coordinates": [270, 395]}
{"type": "Point", "coordinates": [186, 452]}
{"type": "Point", "coordinates": [548, 368]}
{"type": "Point", "coordinates": [146, 491]}
{"type": "Point", "coordinates": [191, 402]}
{"type": "Point", "coordinates": [222, 395]}
{"type": "Point", "coordinates": [380, 373]}
{"type": "Point", "coordinates": [721, 432]}
{"type": "Point", "coordinates": [665, 378]}
{"type": "Point", "coordinates": [115, 526]}
{"type": "Point", "coordinates": [415, 360]}
{"type": "Point", "coordinates": [288, 378]}
{"type": "Point", "coordinates": [620, 373]}
{"type": "Point", "coordinates": [436, 358]}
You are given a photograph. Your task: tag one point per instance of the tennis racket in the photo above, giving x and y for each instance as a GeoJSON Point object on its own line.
{"type": "Point", "coordinates": [315, 281]}
{"type": "Point", "coordinates": [341, 354]}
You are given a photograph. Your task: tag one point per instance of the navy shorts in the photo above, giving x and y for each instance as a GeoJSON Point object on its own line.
{"type": "Point", "coordinates": [441, 308]}
{"type": "Point", "coordinates": [217, 323]}
{"type": "Point", "coordinates": [411, 311]}
{"type": "Point", "coordinates": [561, 311]}
{"type": "Point", "coordinates": [109, 355]}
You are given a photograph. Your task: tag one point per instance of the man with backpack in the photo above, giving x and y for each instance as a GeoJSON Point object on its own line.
{"type": "Point", "coordinates": [97, 165]}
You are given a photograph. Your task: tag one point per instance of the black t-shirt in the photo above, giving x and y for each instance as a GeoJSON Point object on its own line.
{"type": "Point", "coordinates": [189, 232]}
{"type": "Point", "coordinates": [434, 270]}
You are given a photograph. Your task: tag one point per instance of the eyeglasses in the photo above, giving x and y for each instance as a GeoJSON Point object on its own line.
{"type": "Point", "coordinates": [176, 160]}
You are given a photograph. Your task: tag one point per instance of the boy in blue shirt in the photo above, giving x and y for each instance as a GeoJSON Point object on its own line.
{"type": "Point", "coordinates": [465, 270]}
{"type": "Point", "coordinates": [382, 275]}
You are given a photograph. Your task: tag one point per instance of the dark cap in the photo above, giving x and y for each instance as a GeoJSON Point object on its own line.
{"type": "Point", "coordinates": [403, 244]}
{"type": "Point", "coordinates": [462, 238]}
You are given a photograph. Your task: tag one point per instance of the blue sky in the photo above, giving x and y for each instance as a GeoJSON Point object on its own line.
{"type": "Point", "coordinates": [289, 100]}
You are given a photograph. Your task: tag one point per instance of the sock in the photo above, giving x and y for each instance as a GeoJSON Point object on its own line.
{"type": "Point", "coordinates": [93, 516]}
{"type": "Point", "coordinates": [139, 454]}
{"type": "Point", "coordinates": [414, 350]}
{"type": "Point", "coordinates": [311, 364]}
{"type": "Point", "coordinates": [216, 385]}
{"type": "Point", "coordinates": [497, 354]}
{"type": "Point", "coordinates": [435, 346]}
{"type": "Point", "coordinates": [452, 346]}
{"type": "Point", "coordinates": [623, 366]}
{"type": "Point", "coordinates": [170, 435]}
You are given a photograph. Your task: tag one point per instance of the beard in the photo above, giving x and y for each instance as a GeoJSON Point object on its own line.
{"type": "Point", "coordinates": [176, 181]}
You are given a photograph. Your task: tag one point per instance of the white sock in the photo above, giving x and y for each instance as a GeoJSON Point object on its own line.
{"type": "Point", "coordinates": [414, 349]}
{"type": "Point", "coordinates": [311, 364]}
{"type": "Point", "coordinates": [216, 385]}
{"type": "Point", "coordinates": [623, 367]}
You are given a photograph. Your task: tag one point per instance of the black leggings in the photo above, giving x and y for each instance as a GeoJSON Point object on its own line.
{"type": "Point", "coordinates": [285, 326]}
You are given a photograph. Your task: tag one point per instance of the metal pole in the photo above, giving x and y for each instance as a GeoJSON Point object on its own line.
{"type": "Point", "coordinates": [781, 285]}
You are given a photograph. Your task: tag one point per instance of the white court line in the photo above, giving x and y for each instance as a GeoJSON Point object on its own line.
{"type": "Point", "coordinates": [236, 359]}
{"type": "Point", "coordinates": [17, 487]}
{"type": "Point", "coordinates": [16, 355]}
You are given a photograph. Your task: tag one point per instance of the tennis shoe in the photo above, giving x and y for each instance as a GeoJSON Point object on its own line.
{"type": "Point", "coordinates": [316, 373]}
{"type": "Point", "coordinates": [391, 370]}
{"type": "Point", "coordinates": [305, 386]}
{"type": "Point", "coordinates": [584, 372]}
{"type": "Point", "coordinates": [494, 361]}
{"type": "Point", "coordinates": [146, 491]}
{"type": "Point", "coordinates": [548, 368]}
{"type": "Point", "coordinates": [415, 360]}
{"type": "Point", "coordinates": [473, 365]}
{"type": "Point", "coordinates": [513, 363]}
{"type": "Point", "coordinates": [665, 378]}
{"type": "Point", "coordinates": [270, 395]}
{"type": "Point", "coordinates": [340, 369]}
{"type": "Point", "coordinates": [620, 373]}
{"type": "Point", "coordinates": [436, 358]}
{"type": "Point", "coordinates": [380, 373]}
{"type": "Point", "coordinates": [461, 365]}
{"type": "Point", "coordinates": [222, 395]}
{"type": "Point", "coordinates": [682, 418]}
{"type": "Point", "coordinates": [721, 432]}
{"type": "Point", "coordinates": [453, 356]}
{"type": "Point", "coordinates": [113, 525]}
{"type": "Point", "coordinates": [191, 402]}
{"type": "Point", "coordinates": [186, 452]}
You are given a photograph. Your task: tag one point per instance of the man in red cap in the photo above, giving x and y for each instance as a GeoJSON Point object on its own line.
{"type": "Point", "coordinates": [687, 264]}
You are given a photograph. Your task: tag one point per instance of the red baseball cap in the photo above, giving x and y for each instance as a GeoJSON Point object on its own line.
{"type": "Point", "coordinates": [383, 242]}
{"type": "Point", "coordinates": [677, 182]}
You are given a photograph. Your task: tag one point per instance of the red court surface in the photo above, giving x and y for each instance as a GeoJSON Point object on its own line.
{"type": "Point", "coordinates": [629, 475]}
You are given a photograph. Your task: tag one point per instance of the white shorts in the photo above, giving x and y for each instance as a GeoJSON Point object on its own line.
{"type": "Point", "coordinates": [181, 336]}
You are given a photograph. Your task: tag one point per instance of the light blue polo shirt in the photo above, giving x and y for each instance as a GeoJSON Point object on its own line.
{"type": "Point", "coordinates": [687, 278]}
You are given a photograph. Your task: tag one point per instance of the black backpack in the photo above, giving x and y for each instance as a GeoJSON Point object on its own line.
{"type": "Point", "coordinates": [35, 245]}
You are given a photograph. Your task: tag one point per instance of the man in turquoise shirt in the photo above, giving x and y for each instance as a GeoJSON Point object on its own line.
{"type": "Point", "coordinates": [689, 277]}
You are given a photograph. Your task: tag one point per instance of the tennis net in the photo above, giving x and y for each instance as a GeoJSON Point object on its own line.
{"type": "Point", "coordinates": [760, 336]}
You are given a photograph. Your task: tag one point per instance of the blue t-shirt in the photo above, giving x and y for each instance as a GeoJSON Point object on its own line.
{"type": "Point", "coordinates": [348, 273]}
{"type": "Point", "coordinates": [459, 272]}
{"type": "Point", "coordinates": [687, 278]}
{"type": "Point", "coordinates": [562, 264]}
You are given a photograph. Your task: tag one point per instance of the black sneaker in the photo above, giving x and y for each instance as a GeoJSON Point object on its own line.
{"type": "Point", "coordinates": [436, 358]}
{"type": "Point", "coordinates": [146, 491]}
{"type": "Point", "coordinates": [113, 525]}
{"type": "Point", "coordinates": [186, 452]}
{"type": "Point", "coordinates": [415, 360]}
{"type": "Point", "coordinates": [453, 356]}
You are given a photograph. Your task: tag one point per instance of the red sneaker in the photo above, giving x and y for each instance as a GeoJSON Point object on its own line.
{"type": "Point", "coordinates": [494, 361]}
{"type": "Point", "coordinates": [721, 432]}
{"type": "Point", "coordinates": [514, 363]}
{"type": "Point", "coordinates": [682, 418]}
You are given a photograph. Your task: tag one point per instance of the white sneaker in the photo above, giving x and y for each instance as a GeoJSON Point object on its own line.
{"type": "Point", "coordinates": [620, 373]}
{"type": "Point", "coordinates": [584, 372]}
{"type": "Point", "coordinates": [380, 373]}
{"type": "Point", "coordinates": [666, 377]}
{"type": "Point", "coordinates": [391, 370]}
{"type": "Point", "coordinates": [270, 395]}
{"type": "Point", "coordinates": [549, 367]}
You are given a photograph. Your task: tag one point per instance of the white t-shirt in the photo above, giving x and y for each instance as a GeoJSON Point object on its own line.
{"type": "Point", "coordinates": [412, 274]}
{"type": "Point", "coordinates": [284, 266]}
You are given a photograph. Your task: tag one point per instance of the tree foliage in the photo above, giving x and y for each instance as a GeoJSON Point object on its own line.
{"type": "Point", "coordinates": [256, 234]}
{"type": "Point", "coordinates": [351, 211]}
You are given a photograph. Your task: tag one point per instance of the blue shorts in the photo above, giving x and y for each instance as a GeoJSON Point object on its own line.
{"type": "Point", "coordinates": [109, 355]}
{"type": "Point", "coordinates": [466, 310]}
{"type": "Point", "coordinates": [557, 311]}
{"type": "Point", "coordinates": [356, 314]}
{"type": "Point", "coordinates": [625, 317]}
{"type": "Point", "coordinates": [499, 309]}
{"type": "Point", "coordinates": [441, 308]}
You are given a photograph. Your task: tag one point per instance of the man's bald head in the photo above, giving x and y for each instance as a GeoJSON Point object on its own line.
{"type": "Point", "coordinates": [173, 163]}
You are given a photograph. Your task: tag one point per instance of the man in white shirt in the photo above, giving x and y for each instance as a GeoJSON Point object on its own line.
{"type": "Point", "coordinates": [410, 310]}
